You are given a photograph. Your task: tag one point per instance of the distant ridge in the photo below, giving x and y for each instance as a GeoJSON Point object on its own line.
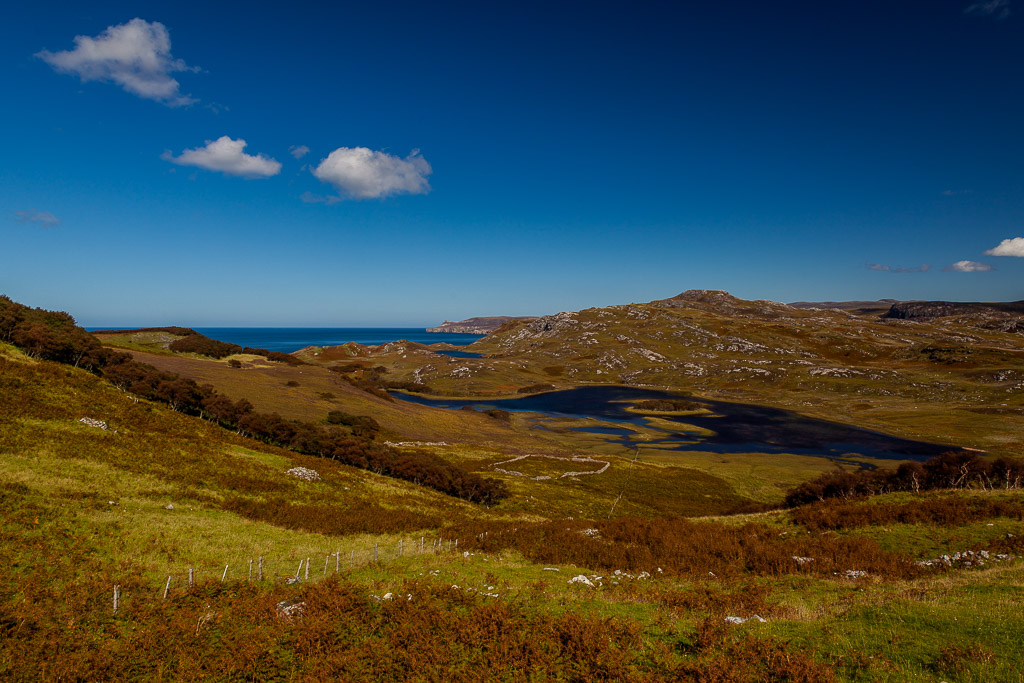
{"type": "Point", "coordinates": [907, 310]}
{"type": "Point", "coordinates": [483, 325]}
{"type": "Point", "coordinates": [880, 305]}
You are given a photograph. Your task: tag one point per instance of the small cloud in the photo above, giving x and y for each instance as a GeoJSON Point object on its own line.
{"type": "Point", "coordinates": [298, 151]}
{"type": "Point", "coordinates": [43, 219]}
{"type": "Point", "coordinates": [136, 56]}
{"type": "Point", "coordinates": [1013, 246]}
{"type": "Point", "coordinates": [967, 267]}
{"type": "Point", "coordinates": [897, 269]}
{"type": "Point", "coordinates": [998, 9]}
{"type": "Point", "coordinates": [363, 173]}
{"type": "Point", "coordinates": [310, 198]}
{"type": "Point", "coordinates": [227, 156]}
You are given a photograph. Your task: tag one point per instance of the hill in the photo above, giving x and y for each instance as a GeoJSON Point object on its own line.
{"type": "Point", "coordinates": [932, 380]}
{"type": "Point", "coordinates": [402, 581]}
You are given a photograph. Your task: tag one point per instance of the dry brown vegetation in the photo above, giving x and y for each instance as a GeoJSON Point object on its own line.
{"type": "Point", "coordinates": [945, 511]}
{"type": "Point", "coordinates": [682, 547]}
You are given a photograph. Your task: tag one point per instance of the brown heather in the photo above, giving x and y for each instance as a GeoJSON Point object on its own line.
{"type": "Point", "coordinates": [232, 632]}
{"type": "Point", "coordinates": [682, 547]}
{"type": "Point", "coordinates": [948, 510]}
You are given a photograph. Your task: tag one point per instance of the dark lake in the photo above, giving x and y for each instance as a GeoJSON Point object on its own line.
{"type": "Point", "coordinates": [737, 427]}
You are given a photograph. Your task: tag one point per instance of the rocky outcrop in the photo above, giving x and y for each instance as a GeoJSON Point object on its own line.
{"type": "Point", "coordinates": [911, 310]}
{"type": "Point", "coordinates": [484, 325]}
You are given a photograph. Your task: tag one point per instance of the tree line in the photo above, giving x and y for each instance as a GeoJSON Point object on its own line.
{"type": "Point", "coordinates": [54, 336]}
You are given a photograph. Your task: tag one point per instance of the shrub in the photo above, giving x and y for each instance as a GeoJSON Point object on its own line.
{"type": "Point", "coordinates": [203, 345]}
{"type": "Point", "coordinates": [952, 470]}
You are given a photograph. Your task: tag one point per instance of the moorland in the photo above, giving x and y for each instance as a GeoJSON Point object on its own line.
{"type": "Point", "coordinates": [492, 541]}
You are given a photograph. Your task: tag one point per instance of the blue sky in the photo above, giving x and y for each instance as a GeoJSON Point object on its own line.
{"type": "Point", "coordinates": [504, 159]}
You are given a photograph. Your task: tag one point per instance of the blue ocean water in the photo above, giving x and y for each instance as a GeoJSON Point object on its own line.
{"type": "Point", "coordinates": [288, 339]}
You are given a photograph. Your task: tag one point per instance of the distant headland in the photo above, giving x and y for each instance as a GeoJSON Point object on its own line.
{"type": "Point", "coordinates": [477, 325]}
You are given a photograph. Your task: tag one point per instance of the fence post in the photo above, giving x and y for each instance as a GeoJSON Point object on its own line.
{"type": "Point", "coordinates": [225, 574]}
{"type": "Point", "coordinates": [307, 569]}
{"type": "Point", "coordinates": [400, 546]}
{"type": "Point", "coordinates": [117, 597]}
{"type": "Point", "coordinates": [250, 570]}
{"type": "Point", "coordinates": [298, 572]}
{"type": "Point", "coordinates": [375, 553]}
{"type": "Point", "coordinates": [260, 577]}
{"type": "Point", "coordinates": [191, 577]}
{"type": "Point", "coordinates": [352, 560]}
{"type": "Point", "coordinates": [456, 545]}
{"type": "Point", "coordinates": [337, 562]}
{"type": "Point", "coordinates": [167, 587]}
{"type": "Point", "coordinates": [326, 560]}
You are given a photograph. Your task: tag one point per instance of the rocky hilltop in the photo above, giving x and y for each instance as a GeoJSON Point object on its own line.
{"type": "Point", "coordinates": [711, 341]}
{"type": "Point", "coordinates": [909, 310]}
{"type": "Point", "coordinates": [483, 325]}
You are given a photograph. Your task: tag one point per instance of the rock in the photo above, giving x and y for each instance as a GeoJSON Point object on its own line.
{"type": "Point", "coordinates": [581, 579]}
{"type": "Point", "coordinates": [169, 506]}
{"type": "Point", "coordinates": [743, 620]}
{"type": "Point", "coordinates": [802, 560]}
{"type": "Point", "coordinates": [290, 609]}
{"type": "Point", "coordinates": [98, 424]}
{"type": "Point", "coordinates": [304, 474]}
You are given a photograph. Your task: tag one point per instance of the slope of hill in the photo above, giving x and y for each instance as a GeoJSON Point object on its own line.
{"type": "Point", "coordinates": [137, 494]}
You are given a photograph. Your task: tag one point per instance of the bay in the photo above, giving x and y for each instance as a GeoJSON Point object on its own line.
{"type": "Point", "coordinates": [288, 339]}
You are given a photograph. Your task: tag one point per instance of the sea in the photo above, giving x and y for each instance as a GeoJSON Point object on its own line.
{"type": "Point", "coordinates": [288, 339]}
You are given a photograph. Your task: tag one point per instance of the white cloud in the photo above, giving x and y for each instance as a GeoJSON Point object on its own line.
{"type": "Point", "coordinates": [136, 56]}
{"type": "Point", "coordinates": [1000, 9]}
{"type": "Point", "coordinates": [298, 151]}
{"type": "Point", "coordinates": [1014, 246]}
{"type": "Point", "coordinates": [968, 267]}
{"type": "Point", "coordinates": [226, 155]}
{"type": "Point", "coordinates": [44, 219]}
{"type": "Point", "coordinates": [363, 173]}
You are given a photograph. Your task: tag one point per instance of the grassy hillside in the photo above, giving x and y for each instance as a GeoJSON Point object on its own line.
{"type": "Point", "coordinates": [495, 593]}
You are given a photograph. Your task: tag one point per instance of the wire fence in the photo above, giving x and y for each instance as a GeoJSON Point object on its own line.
{"type": "Point", "coordinates": [261, 569]}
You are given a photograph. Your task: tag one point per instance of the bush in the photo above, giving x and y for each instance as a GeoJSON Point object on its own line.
{"type": "Point", "coordinates": [952, 470]}
{"type": "Point", "coordinates": [203, 345]}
